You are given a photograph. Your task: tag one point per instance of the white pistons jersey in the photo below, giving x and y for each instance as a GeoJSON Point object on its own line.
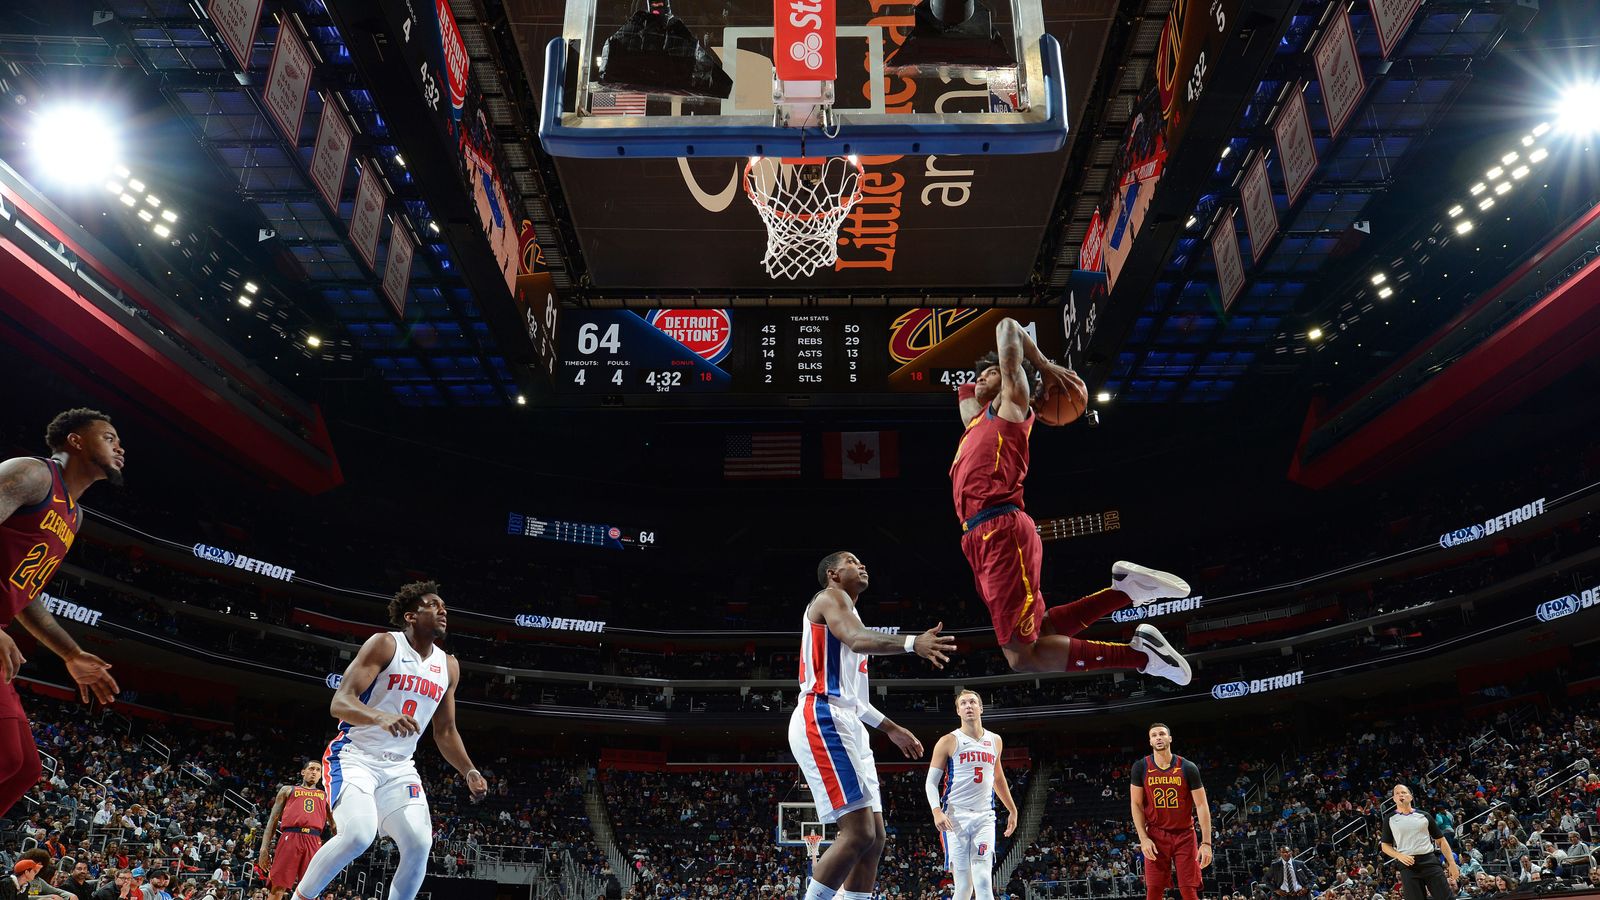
{"type": "Point", "coordinates": [409, 685]}
{"type": "Point", "coordinates": [969, 780]}
{"type": "Point", "coordinates": [828, 667]}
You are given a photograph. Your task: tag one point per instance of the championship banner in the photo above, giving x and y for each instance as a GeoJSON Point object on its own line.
{"type": "Point", "coordinates": [236, 20]}
{"type": "Point", "coordinates": [1339, 72]}
{"type": "Point", "coordinates": [288, 80]}
{"type": "Point", "coordinates": [1297, 153]}
{"type": "Point", "coordinates": [367, 220]}
{"type": "Point", "coordinates": [1260, 212]}
{"type": "Point", "coordinates": [1225, 251]}
{"type": "Point", "coordinates": [331, 158]}
{"type": "Point", "coordinates": [1392, 18]}
{"type": "Point", "coordinates": [397, 268]}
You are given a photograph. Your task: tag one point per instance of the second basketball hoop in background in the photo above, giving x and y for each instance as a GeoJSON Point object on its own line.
{"type": "Point", "coordinates": [803, 202]}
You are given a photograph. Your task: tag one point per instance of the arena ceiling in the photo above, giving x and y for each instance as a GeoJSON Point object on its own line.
{"type": "Point", "coordinates": [1171, 340]}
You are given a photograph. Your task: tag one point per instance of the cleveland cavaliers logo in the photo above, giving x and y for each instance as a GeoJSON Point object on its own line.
{"type": "Point", "coordinates": [920, 330]}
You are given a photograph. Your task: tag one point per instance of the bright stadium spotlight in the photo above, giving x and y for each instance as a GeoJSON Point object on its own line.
{"type": "Point", "coordinates": [162, 230]}
{"type": "Point", "coordinates": [1579, 109]}
{"type": "Point", "coordinates": [1314, 334]}
{"type": "Point", "coordinates": [1463, 226]}
{"type": "Point", "coordinates": [75, 145]}
{"type": "Point", "coordinates": [1385, 293]}
{"type": "Point", "coordinates": [1455, 210]}
{"type": "Point", "coordinates": [1538, 155]}
{"type": "Point", "coordinates": [313, 341]}
{"type": "Point", "coordinates": [1103, 397]}
{"type": "Point", "coordinates": [1379, 278]}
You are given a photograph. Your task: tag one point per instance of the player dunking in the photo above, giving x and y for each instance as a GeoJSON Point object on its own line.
{"type": "Point", "coordinates": [299, 815]}
{"type": "Point", "coordinates": [1001, 542]}
{"type": "Point", "coordinates": [398, 681]}
{"type": "Point", "coordinates": [827, 731]}
{"type": "Point", "coordinates": [1167, 796]}
{"type": "Point", "coordinates": [39, 519]}
{"type": "Point", "coordinates": [967, 760]}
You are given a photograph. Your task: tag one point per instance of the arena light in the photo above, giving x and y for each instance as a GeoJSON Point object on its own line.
{"type": "Point", "coordinates": [244, 301]}
{"type": "Point", "coordinates": [1579, 109]}
{"type": "Point", "coordinates": [1502, 187]}
{"type": "Point", "coordinates": [313, 341]}
{"type": "Point", "coordinates": [1314, 334]}
{"type": "Point", "coordinates": [1519, 172]}
{"type": "Point", "coordinates": [1542, 129]}
{"type": "Point", "coordinates": [1509, 158]}
{"type": "Point", "coordinates": [169, 215]}
{"type": "Point", "coordinates": [522, 400]}
{"type": "Point", "coordinates": [1103, 397]}
{"type": "Point", "coordinates": [1538, 155]}
{"type": "Point", "coordinates": [75, 145]}
{"type": "Point", "coordinates": [1463, 226]}
{"type": "Point", "coordinates": [1379, 278]}
{"type": "Point", "coordinates": [146, 215]}
{"type": "Point", "coordinates": [161, 230]}
{"type": "Point", "coordinates": [1456, 210]}
{"type": "Point", "coordinates": [250, 287]}
{"type": "Point", "coordinates": [1479, 188]}
{"type": "Point", "coordinates": [433, 227]}
{"type": "Point", "coordinates": [1495, 172]}
{"type": "Point", "coordinates": [127, 200]}
{"type": "Point", "coordinates": [1385, 293]}
{"type": "Point", "coordinates": [1527, 140]}
{"type": "Point", "coordinates": [114, 187]}
{"type": "Point", "coordinates": [1486, 203]}
{"type": "Point", "coordinates": [136, 184]}
{"type": "Point", "coordinates": [152, 199]}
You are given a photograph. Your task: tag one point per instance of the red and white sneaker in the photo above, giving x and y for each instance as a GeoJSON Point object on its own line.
{"type": "Point", "coordinates": [1161, 658]}
{"type": "Point", "coordinates": [1144, 585]}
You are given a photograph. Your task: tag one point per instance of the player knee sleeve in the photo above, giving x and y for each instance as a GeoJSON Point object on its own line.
{"type": "Point", "coordinates": [357, 819]}
{"type": "Point", "coordinates": [982, 881]}
{"type": "Point", "coordinates": [413, 835]}
{"type": "Point", "coordinates": [960, 883]}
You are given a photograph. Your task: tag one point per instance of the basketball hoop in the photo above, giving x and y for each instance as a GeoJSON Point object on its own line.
{"type": "Point", "coordinates": [813, 846]}
{"type": "Point", "coordinates": [803, 202]}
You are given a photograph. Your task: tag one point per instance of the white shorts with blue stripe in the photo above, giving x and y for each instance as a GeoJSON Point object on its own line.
{"type": "Point", "coordinates": [970, 842]}
{"type": "Point", "coordinates": [835, 755]}
{"type": "Point", "coordinates": [391, 783]}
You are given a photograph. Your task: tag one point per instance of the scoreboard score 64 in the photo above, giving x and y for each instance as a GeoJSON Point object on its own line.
{"type": "Point", "coordinates": [793, 351]}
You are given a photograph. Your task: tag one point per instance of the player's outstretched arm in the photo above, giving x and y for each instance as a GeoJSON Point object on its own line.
{"type": "Point", "coordinates": [92, 673]}
{"type": "Point", "coordinates": [967, 401]}
{"type": "Point", "coordinates": [1002, 787]}
{"type": "Point", "coordinates": [449, 739]}
{"type": "Point", "coordinates": [346, 706]}
{"type": "Point", "coordinates": [834, 607]}
{"type": "Point", "coordinates": [264, 858]}
{"type": "Point", "coordinates": [23, 482]}
{"type": "Point", "coordinates": [937, 765]}
{"type": "Point", "coordinates": [1013, 345]}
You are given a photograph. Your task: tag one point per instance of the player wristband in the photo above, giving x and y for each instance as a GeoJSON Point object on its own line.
{"type": "Point", "coordinates": [472, 772]}
{"type": "Point", "coordinates": [967, 391]}
{"type": "Point", "coordinates": [911, 643]}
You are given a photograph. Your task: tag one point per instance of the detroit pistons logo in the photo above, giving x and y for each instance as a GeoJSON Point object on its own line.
{"type": "Point", "coordinates": [707, 332]}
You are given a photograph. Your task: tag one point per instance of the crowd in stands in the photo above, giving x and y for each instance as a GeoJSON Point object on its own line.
{"type": "Point", "coordinates": [144, 797]}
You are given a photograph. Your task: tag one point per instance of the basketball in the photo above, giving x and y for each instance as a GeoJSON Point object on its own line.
{"type": "Point", "coordinates": [1057, 407]}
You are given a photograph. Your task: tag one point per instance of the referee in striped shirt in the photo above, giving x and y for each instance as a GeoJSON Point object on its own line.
{"type": "Point", "coordinates": [1414, 839]}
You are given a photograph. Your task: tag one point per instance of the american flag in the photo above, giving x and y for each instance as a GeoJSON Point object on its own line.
{"type": "Point", "coordinates": [773, 454]}
{"type": "Point", "coordinates": [607, 103]}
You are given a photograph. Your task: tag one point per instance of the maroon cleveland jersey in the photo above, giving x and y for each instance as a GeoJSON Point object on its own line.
{"type": "Point", "coordinates": [33, 542]}
{"type": "Point", "coordinates": [991, 463]}
{"type": "Point", "coordinates": [305, 808]}
{"type": "Point", "coordinates": [1168, 805]}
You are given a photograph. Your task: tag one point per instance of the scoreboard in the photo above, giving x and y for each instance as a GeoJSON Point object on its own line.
{"type": "Point", "coordinates": [582, 533]}
{"type": "Point", "coordinates": [811, 350]}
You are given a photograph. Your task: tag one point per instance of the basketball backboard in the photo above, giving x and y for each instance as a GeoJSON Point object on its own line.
{"type": "Point", "coordinates": [878, 109]}
{"type": "Point", "coordinates": [796, 820]}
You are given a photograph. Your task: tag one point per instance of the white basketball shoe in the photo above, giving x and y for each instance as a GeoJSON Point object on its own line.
{"type": "Point", "coordinates": [1144, 585]}
{"type": "Point", "coordinates": [1161, 658]}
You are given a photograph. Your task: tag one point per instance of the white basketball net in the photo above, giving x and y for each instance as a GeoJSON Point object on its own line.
{"type": "Point", "coordinates": [803, 203]}
{"type": "Point", "coordinates": [813, 845]}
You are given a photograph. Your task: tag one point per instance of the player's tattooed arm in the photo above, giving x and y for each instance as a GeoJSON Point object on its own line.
{"type": "Point", "coordinates": [833, 605]}
{"type": "Point", "coordinates": [264, 856]}
{"type": "Point", "coordinates": [1014, 345]}
{"type": "Point", "coordinates": [23, 482]}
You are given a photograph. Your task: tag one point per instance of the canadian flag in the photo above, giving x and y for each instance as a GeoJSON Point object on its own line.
{"type": "Point", "coordinates": [861, 454]}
